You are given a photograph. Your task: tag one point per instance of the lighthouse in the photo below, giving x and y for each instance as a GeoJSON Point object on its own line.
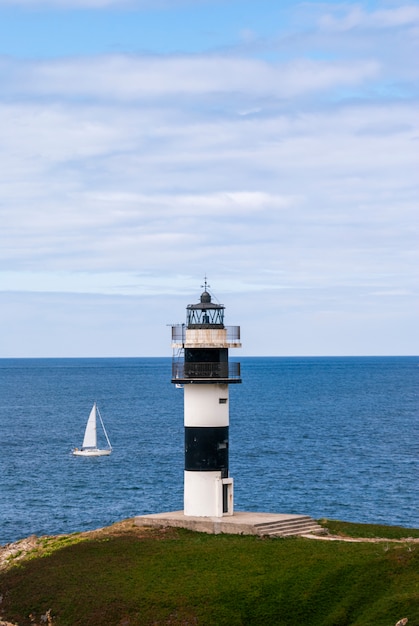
{"type": "Point", "coordinates": [202, 368]}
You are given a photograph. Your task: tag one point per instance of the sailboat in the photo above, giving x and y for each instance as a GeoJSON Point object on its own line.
{"type": "Point", "coordinates": [89, 445]}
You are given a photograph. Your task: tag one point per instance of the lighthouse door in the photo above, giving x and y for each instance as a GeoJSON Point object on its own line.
{"type": "Point", "coordinates": [227, 496]}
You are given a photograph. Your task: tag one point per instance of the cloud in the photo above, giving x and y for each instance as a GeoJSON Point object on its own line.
{"type": "Point", "coordinates": [115, 189]}
{"type": "Point", "coordinates": [58, 5]}
{"type": "Point", "coordinates": [121, 77]}
{"type": "Point", "coordinates": [355, 31]}
{"type": "Point", "coordinates": [358, 18]}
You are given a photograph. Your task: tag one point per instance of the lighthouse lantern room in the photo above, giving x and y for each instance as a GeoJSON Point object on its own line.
{"type": "Point", "coordinates": [201, 367]}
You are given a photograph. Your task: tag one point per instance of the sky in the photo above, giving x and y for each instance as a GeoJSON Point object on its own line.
{"type": "Point", "coordinates": [272, 147]}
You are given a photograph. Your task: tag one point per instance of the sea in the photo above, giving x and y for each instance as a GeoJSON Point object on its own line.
{"type": "Point", "coordinates": [330, 437]}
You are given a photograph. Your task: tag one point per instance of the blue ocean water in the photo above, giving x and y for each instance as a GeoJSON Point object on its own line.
{"type": "Point", "coordinates": [326, 437]}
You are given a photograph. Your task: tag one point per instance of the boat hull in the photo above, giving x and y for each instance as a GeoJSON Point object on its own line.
{"type": "Point", "coordinates": [93, 452]}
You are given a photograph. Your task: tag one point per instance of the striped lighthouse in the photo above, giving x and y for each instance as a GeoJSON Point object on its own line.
{"type": "Point", "coordinates": [201, 367]}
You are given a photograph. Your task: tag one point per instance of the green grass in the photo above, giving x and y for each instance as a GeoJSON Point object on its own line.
{"type": "Point", "coordinates": [350, 529]}
{"type": "Point", "coordinates": [175, 577]}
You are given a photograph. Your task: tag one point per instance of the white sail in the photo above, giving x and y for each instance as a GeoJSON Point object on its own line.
{"type": "Point", "coordinates": [89, 446]}
{"type": "Point", "coordinates": [90, 435]}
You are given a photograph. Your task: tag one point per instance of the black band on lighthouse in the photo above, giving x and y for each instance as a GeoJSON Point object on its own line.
{"type": "Point", "coordinates": [206, 449]}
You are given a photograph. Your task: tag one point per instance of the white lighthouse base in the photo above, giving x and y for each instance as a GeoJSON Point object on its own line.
{"type": "Point", "coordinates": [206, 494]}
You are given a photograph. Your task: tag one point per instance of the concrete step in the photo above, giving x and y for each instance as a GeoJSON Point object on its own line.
{"type": "Point", "coordinates": [283, 525]}
{"type": "Point", "coordinates": [299, 525]}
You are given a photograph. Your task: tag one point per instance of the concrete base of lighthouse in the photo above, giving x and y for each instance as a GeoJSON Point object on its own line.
{"type": "Point", "coordinates": [206, 494]}
{"type": "Point", "coordinates": [241, 523]}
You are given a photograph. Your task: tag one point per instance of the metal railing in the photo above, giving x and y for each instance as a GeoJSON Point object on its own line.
{"type": "Point", "coordinates": [182, 371]}
{"type": "Point", "coordinates": [179, 332]}
{"type": "Point", "coordinates": [233, 333]}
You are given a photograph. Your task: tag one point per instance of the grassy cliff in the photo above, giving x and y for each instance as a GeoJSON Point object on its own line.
{"type": "Point", "coordinates": [129, 576]}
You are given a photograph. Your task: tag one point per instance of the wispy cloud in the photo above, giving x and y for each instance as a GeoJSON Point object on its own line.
{"type": "Point", "coordinates": [131, 78]}
{"type": "Point", "coordinates": [95, 4]}
{"type": "Point", "coordinates": [348, 18]}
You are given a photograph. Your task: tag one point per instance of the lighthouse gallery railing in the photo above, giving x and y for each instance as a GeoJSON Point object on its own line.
{"type": "Point", "coordinates": [178, 332]}
{"type": "Point", "coordinates": [181, 370]}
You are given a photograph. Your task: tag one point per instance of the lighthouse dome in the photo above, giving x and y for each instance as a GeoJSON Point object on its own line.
{"type": "Point", "coordinates": [205, 297]}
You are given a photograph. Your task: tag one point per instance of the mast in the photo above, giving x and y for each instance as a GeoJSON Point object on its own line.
{"type": "Point", "coordinates": [104, 429]}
